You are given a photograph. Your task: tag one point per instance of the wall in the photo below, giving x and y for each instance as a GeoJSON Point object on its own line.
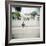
{"type": "Point", "coordinates": [45, 22]}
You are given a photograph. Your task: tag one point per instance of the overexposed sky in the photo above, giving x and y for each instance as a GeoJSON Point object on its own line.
{"type": "Point", "coordinates": [27, 10]}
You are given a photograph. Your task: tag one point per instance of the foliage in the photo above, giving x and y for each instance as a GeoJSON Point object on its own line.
{"type": "Point", "coordinates": [15, 14]}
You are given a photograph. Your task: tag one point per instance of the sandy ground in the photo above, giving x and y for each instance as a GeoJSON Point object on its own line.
{"type": "Point", "coordinates": [31, 29]}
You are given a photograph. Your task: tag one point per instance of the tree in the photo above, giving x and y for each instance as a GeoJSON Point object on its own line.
{"type": "Point", "coordinates": [16, 14]}
{"type": "Point", "coordinates": [33, 14]}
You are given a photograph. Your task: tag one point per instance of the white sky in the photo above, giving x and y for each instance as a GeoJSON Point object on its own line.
{"type": "Point", "coordinates": [27, 10]}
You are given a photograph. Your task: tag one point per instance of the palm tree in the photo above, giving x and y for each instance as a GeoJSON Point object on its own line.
{"type": "Point", "coordinates": [16, 15]}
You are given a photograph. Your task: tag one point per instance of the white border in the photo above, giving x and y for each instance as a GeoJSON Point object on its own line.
{"type": "Point", "coordinates": [41, 26]}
